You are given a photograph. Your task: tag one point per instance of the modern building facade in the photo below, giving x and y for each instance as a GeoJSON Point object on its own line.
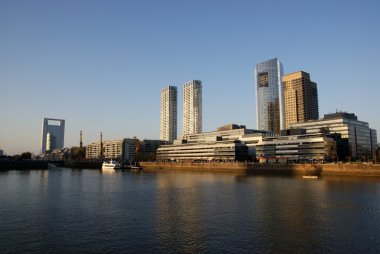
{"type": "Point", "coordinates": [269, 96]}
{"type": "Point", "coordinates": [296, 148]}
{"type": "Point", "coordinates": [362, 140]}
{"type": "Point", "coordinates": [192, 107]}
{"type": "Point", "coordinates": [168, 114]}
{"type": "Point", "coordinates": [236, 143]}
{"type": "Point", "coordinates": [300, 98]}
{"type": "Point", "coordinates": [229, 143]}
{"type": "Point", "coordinates": [53, 134]}
{"type": "Point", "coordinates": [207, 151]}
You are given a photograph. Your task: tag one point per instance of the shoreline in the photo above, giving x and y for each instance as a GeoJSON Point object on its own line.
{"type": "Point", "coordinates": [343, 169]}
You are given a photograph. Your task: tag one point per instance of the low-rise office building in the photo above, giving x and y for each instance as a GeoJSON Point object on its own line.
{"type": "Point", "coordinates": [229, 143]}
{"type": "Point", "coordinates": [236, 143]}
{"type": "Point", "coordinates": [206, 151]}
{"type": "Point", "coordinates": [362, 140]}
{"type": "Point", "coordinates": [296, 148]}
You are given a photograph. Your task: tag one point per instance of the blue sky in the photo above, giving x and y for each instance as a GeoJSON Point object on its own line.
{"type": "Point", "coordinates": [100, 65]}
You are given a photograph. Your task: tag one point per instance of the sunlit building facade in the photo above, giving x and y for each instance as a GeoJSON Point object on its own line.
{"type": "Point", "coordinates": [192, 107]}
{"type": "Point", "coordinates": [168, 114]}
{"type": "Point", "coordinates": [300, 98]}
{"type": "Point", "coordinates": [362, 140]}
{"type": "Point", "coordinates": [296, 148]}
{"type": "Point", "coordinates": [121, 150]}
{"type": "Point", "coordinates": [269, 96]}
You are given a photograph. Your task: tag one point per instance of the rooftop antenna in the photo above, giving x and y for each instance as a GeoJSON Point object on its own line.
{"type": "Point", "coordinates": [81, 155]}
{"type": "Point", "coordinates": [80, 141]}
{"type": "Point", "coordinates": [101, 145]}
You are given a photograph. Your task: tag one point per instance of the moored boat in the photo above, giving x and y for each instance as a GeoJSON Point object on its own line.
{"type": "Point", "coordinates": [111, 165]}
{"type": "Point", "coordinates": [310, 177]}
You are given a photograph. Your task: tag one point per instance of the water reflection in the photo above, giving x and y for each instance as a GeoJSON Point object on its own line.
{"type": "Point", "coordinates": [179, 222]}
{"type": "Point", "coordinates": [91, 211]}
{"type": "Point", "coordinates": [108, 171]}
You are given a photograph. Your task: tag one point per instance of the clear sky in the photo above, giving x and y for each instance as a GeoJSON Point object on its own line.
{"type": "Point", "coordinates": [100, 65]}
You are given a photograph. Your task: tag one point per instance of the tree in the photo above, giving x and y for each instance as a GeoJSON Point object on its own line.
{"type": "Point", "coordinates": [324, 130]}
{"type": "Point", "coordinates": [26, 156]}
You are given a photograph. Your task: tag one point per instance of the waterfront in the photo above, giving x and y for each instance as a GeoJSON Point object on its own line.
{"type": "Point", "coordinates": [87, 211]}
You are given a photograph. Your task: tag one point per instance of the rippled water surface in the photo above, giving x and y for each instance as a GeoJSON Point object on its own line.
{"type": "Point", "coordinates": [87, 211]}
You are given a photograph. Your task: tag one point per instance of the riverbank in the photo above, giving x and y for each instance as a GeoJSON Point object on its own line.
{"type": "Point", "coordinates": [23, 165]}
{"type": "Point", "coordinates": [353, 169]}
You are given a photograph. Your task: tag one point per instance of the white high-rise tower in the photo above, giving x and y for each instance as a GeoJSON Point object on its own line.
{"type": "Point", "coordinates": [192, 107]}
{"type": "Point", "coordinates": [168, 116]}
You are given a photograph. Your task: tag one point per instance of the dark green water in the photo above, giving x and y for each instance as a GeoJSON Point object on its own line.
{"type": "Point", "coordinates": [87, 211]}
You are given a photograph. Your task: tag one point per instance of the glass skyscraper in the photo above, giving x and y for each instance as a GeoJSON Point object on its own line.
{"type": "Point", "coordinates": [269, 97]}
{"type": "Point", "coordinates": [53, 132]}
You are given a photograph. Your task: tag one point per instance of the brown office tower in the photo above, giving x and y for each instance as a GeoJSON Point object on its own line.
{"type": "Point", "coordinates": [300, 98]}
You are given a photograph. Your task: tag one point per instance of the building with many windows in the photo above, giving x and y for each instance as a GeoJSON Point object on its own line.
{"type": "Point", "coordinates": [269, 97]}
{"type": "Point", "coordinates": [168, 114]}
{"type": "Point", "coordinates": [121, 150]}
{"type": "Point", "coordinates": [362, 140]}
{"type": "Point", "coordinates": [53, 134]}
{"type": "Point", "coordinates": [300, 98]}
{"type": "Point", "coordinates": [229, 143]}
{"type": "Point", "coordinates": [192, 107]}
{"type": "Point", "coordinates": [296, 148]}
{"type": "Point", "coordinates": [206, 151]}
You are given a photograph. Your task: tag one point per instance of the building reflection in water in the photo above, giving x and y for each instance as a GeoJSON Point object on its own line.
{"type": "Point", "coordinates": [179, 214]}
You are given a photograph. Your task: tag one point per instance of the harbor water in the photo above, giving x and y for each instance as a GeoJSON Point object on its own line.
{"type": "Point", "coordinates": [64, 210]}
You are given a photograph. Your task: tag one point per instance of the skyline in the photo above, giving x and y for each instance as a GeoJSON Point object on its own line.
{"type": "Point", "coordinates": [92, 63]}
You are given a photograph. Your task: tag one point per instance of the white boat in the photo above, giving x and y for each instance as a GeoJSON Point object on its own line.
{"type": "Point", "coordinates": [310, 177]}
{"type": "Point", "coordinates": [111, 165]}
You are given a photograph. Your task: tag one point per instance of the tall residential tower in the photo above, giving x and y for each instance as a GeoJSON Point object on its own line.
{"type": "Point", "coordinates": [269, 101]}
{"type": "Point", "coordinates": [53, 133]}
{"type": "Point", "coordinates": [300, 98]}
{"type": "Point", "coordinates": [168, 115]}
{"type": "Point", "coordinates": [192, 107]}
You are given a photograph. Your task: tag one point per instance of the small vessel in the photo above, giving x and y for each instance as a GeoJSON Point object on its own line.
{"type": "Point", "coordinates": [135, 168]}
{"type": "Point", "coordinates": [111, 165]}
{"type": "Point", "coordinates": [310, 177]}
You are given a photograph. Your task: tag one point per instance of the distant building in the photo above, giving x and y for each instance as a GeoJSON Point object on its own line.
{"type": "Point", "coordinates": [57, 155]}
{"type": "Point", "coordinates": [269, 100]}
{"type": "Point", "coordinates": [362, 140]}
{"type": "Point", "coordinates": [192, 107]}
{"type": "Point", "coordinates": [53, 133]}
{"type": "Point", "coordinates": [168, 115]}
{"type": "Point", "coordinates": [1, 152]}
{"type": "Point", "coordinates": [149, 148]}
{"type": "Point", "coordinates": [121, 150]}
{"type": "Point", "coordinates": [300, 98]}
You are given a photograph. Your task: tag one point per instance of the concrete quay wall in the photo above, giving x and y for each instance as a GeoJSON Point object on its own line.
{"type": "Point", "coordinates": [354, 169]}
